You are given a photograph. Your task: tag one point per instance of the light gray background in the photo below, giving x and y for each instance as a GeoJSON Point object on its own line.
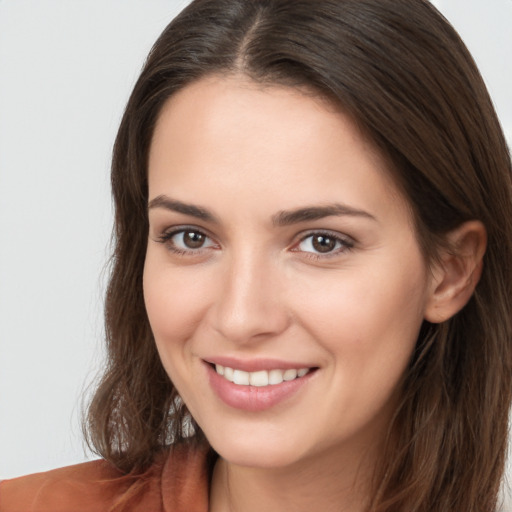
{"type": "Point", "coordinates": [66, 70]}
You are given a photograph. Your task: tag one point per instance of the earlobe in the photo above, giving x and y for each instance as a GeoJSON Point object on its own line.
{"type": "Point", "coordinates": [458, 271]}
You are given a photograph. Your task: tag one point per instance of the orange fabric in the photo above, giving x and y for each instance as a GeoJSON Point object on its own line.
{"type": "Point", "coordinates": [176, 482]}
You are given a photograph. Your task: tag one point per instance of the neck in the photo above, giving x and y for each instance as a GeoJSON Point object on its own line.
{"type": "Point", "coordinates": [329, 483]}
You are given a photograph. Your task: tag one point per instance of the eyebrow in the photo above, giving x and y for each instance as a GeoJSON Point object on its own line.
{"type": "Point", "coordinates": [286, 218]}
{"type": "Point", "coordinates": [282, 218]}
{"type": "Point", "coordinates": [185, 208]}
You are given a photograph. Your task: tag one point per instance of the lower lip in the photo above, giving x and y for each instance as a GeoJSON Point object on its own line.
{"type": "Point", "coordinates": [254, 398]}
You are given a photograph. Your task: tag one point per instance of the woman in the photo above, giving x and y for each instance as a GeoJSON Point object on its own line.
{"type": "Point", "coordinates": [309, 306]}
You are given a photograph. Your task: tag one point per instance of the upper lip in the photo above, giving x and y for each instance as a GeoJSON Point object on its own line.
{"type": "Point", "coordinates": [257, 364]}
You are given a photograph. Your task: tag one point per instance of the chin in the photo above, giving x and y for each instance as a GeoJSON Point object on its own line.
{"type": "Point", "coordinates": [252, 452]}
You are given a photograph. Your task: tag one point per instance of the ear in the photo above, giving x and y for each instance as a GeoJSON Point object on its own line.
{"type": "Point", "coordinates": [458, 271]}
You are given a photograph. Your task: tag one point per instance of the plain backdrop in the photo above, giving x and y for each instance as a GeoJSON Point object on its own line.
{"type": "Point", "coordinates": [66, 70]}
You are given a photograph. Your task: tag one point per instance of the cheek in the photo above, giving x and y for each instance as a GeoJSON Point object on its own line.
{"type": "Point", "coordinates": [369, 329]}
{"type": "Point", "coordinates": [175, 299]}
{"type": "Point", "coordinates": [368, 321]}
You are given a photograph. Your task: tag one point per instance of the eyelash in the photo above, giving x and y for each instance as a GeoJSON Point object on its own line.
{"type": "Point", "coordinates": [166, 239]}
{"type": "Point", "coordinates": [345, 243]}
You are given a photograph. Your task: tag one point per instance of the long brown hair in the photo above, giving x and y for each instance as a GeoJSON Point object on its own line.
{"type": "Point", "coordinates": [403, 74]}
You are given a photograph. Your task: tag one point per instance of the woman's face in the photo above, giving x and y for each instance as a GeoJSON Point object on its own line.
{"type": "Point", "coordinates": [280, 251]}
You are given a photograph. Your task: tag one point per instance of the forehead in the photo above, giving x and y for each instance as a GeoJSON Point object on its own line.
{"type": "Point", "coordinates": [233, 136]}
{"type": "Point", "coordinates": [237, 108]}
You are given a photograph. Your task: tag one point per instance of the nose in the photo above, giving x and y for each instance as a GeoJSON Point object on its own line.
{"type": "Point", "coordinates": [250, 304]}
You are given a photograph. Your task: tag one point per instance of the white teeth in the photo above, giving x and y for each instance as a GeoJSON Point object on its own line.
{"type": "Point", "coordinates": [275, 376]}
{"type": "Point", "coordinates": [240, 377]}
{"type": "Point", "coordinates": [228, 373]}
{"type": "Point", "coordinates": [260, 378]}
{"type": "Point", "coordinates": [290, 375]}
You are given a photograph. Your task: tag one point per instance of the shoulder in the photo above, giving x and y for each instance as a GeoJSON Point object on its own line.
{"type": "Point", "coordinates": [186, 476]}
{"type": "Point", "coordinates": [177, 480]}
{"type": "Point", "coordinates": [92, 486]}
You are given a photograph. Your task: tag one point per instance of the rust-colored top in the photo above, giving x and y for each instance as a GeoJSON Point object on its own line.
{"type": "Point", "coordinates": [176, 482]}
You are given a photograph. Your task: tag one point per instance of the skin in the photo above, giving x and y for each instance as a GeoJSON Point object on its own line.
{"type": "Point", "coordinates": [258, 288]}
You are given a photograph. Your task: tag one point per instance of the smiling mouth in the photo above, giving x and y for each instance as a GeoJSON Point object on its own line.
{"type": "Point", "coordinates": [261, 378]}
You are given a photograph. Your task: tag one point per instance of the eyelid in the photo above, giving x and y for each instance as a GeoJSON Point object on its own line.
{"type": "Point", "coordinates": [166, 235]}
{"type": "Point", "coordinates": [347, 243]}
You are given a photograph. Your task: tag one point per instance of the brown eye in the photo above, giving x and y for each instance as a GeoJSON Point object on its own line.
{"type": "Point", "coordinates": [193, 239]}
{"type": "Point", "coordinates": [186, 241]}
{"type": "Point", "coordinates": [322, 243]}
